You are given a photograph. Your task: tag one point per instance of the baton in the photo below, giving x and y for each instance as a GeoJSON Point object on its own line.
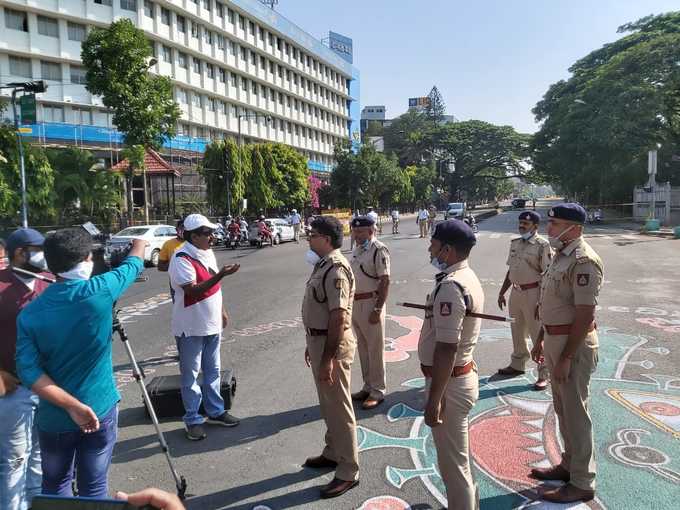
{"type": "Point", "coordinates": [33, 275]}
{"type": "Point", "coordinates": [486, 316]}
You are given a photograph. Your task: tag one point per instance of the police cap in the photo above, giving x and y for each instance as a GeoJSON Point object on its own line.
{"type": "Point", "coordinates": [454, 232]}
{"type": "Point", "coordinates": [531, 216]}
{"type": "Point", "coordinates": [363, 221]}
{"type": "Point", "coordinates": [568, 212]}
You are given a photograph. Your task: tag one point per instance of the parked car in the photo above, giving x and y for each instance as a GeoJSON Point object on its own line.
{"type": "Point", "coordinates": [280, 228]}
{"type": "Point", "coordinates": [155, 235]}
{"type": "Point", "coordinates": [519, 203]}
{"type": "Point", "coordinates": [455, 210]}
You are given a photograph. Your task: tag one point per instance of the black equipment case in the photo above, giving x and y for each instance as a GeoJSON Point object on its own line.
{"type": "Point", "coordinates": [166, 397]}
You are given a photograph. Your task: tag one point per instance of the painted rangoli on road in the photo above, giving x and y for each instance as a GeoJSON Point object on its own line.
{"type": "Point", "coordinates": [637, 427]}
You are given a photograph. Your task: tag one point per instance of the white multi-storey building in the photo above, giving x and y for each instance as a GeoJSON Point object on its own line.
{"type": "Point", "coordinates": [228, 60]}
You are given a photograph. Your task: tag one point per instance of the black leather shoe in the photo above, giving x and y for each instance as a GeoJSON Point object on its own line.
{"type": "Point", "coordinates": [551, 473]}
{"type": "Point", "coordinates": [510, 371]}
{"type": "Point", "coordinates": [337, 488]}
{"type": "Point", "coordinates": [320, 462]}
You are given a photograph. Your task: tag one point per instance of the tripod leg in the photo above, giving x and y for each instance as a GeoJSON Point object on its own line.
{"type": "Point", "coordinates": [180, 481]}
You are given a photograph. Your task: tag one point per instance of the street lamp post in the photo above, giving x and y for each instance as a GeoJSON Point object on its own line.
{"type": "Point", "coordinates": [256, 116]}
{"type": "Point", "coordinates": [30, 86]}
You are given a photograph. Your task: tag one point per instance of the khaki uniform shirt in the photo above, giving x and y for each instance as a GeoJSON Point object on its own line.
{"type": "Point", "coordinates": [369, 265]}
{"type": "Point", "coordinates": [528, 259]}
{"type": "Point", "coordinates": [445, 319]}
{"type": "Point", "coordinates": [330, 287]}
{"type": "Point", "coordinates": [573, 278]}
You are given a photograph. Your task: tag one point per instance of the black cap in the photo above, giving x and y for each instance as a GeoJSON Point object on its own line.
{"type": "Point", "coordinates": [532, 216]}
{"type": "Point", "coordinates": [23, 237]}
{"type": "Point", "coordinates": [454, 232]}
{"type": "Point", "coordinates": [363, 221]}
{"type": "Point", "coordinates": [568, 212]}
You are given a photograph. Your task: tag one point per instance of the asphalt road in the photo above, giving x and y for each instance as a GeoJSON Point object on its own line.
{"type": "Point", "coordinates": [635, 402]}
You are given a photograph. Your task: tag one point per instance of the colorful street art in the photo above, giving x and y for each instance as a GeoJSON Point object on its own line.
{"type": "Point", "coordinates": [512, 429]}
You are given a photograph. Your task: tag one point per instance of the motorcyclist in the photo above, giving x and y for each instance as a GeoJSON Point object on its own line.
{"type": "Point", "coordinates": [243, 224]}
{"type": "Point", "coordinates": [263, 230]}
{"type": "Point", "coordinates": [234, 230]}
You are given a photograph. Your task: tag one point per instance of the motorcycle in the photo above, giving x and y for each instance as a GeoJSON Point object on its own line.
{"type": "Point", "coordinates": [472, 222]}
{"type": "Point", "coordinates": [234, 240]}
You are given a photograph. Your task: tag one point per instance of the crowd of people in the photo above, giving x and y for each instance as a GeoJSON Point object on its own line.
{"type": "Point", "coordinates": [59, 401]}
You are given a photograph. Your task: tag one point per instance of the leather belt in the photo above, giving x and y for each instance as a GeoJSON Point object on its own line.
{"type": "Point", "coordinates": [317, 332]}
{"type": "Point", "coordinates": [458, 371]}
{"type": "Point", "coordinates": [564, 329]}
{"type": "Point", "coordinates": [365, 295]}
{"type": "Point", "coordinates": [525, 286]}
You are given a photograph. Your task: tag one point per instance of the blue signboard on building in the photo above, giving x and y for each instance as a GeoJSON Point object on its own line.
{"type": "Point", "coordinates": [341, 45]}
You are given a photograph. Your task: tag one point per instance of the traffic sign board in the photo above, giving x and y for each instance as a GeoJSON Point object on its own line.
{"type": "Point", "coordinates": [28, 109]}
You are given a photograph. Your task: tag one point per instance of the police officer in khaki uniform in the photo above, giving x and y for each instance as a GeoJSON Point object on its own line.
{"type": "Point", "coordinates": [447, 340]}
{"type": "Point", "coordinates": [529, 257]}
{"type": "Point", "coordinates": [327, 317]}
{"type": "Point", "coordinates": [371, 268]}
{"type": "Point", "coordinates": [568, 341]}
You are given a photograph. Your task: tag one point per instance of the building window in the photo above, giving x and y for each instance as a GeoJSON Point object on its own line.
{"type": "Point", "coordinates": [48, 26]}
{"type": "Point", "coordinates": [261, 34]}
{"type": "Point", "coordinates": [16, 20]}
{"type": "Point", "coordinates": [207, 5]}
{"type": "Point", "coordinates": [253, 58]}
{"type": "Point", "coordinates": [241, 22]}
{"type": "Point", "coordinates": [231, 15]}
{"type": "Point", "coordinates": [223, 75]}
{"type": "Point", "coordinates": [19, 66]}
{"type": "Point", "coordinates": [222, 106]}
{"type": "Point", "coordinates": [104, 2]}
{"type": "Point", "coordinates": [181, 24]}
{"type": "Point", "coordinates": [53, 113]}
{"type": "Point", "coordinates": [76, 31]}
{"type": "Point", "coordinates": [167, 54]}
{"type": "Point", "coordinates": [232, 48]}
{"type": "Point", "coordinates": [182, 59]}
{"type": "Point", "coordinates": [148, 8]}
{"type": "Point", "coordinates": [220, 41]}
{"type": "Point", "coordinates": [219, 8]}
{"type": "Point", "coordinates": [196, 65]}
{"type": "Point", "coordinates": [50, 71]}
{"type": "Point", "coordinates": [82, 115]}
{"type": "Point", "coordinates": [271, 39]}
{"type": "Point", "coordinates": [263, 63]}
{"type": "Point", "coordinates": [244, 84]}
{"type": "Point", "coordinates": [271, 67]}
{"type": "Point", "coordinates": [279, 43]}
{"type": "Point", "coordinates": [165, 16]}
{"type": "Point", "coordinates": [255, 88]}
{"type": "Point", "coordinates": [210, 71]}
{"type": "Point", "coordinates": [78, 75]}
{"type": "Point", "coordinates": [251, 26]}
{"type": "Point", "coordinates": [244, 54]}
{"type": "Point", "coordinates": [195, 31]}
{"type": "Point", "coordinates": [208, 36]}
{"type": "Point", "coordinates": [211, 104]}
{"type": "Point", "coordinates": [128, 5]}
{"type": "Point", "coordinates": [182, 96]}
{"type": "Point", "coordinates": [287, 49]}
{"type": "Point", "coordinates": [196, 100]}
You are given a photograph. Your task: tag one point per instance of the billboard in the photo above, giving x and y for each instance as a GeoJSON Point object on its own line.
{"type": "Point", "coordinates": [419, 102]}
{"type": "Point", "coordinates": [341, 45]}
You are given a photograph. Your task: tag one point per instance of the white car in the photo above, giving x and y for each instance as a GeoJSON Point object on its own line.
{"type": "Point", "coordinates": [155, 235]}
{"type": "Point", "coordinates": [280, 227]}
{"type": "Point", "coordinates": [455, 210]}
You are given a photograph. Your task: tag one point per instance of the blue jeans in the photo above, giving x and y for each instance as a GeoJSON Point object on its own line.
{"type": "Point", "coordinates": [20, 472]}
{"type": "Point", "coordinates": [91, 453]}
{"type": "Point", "coordinates": [200, 352]}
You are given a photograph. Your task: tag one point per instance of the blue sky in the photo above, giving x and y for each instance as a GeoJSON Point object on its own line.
{"type": "Point", "coordinates": [491, 59]}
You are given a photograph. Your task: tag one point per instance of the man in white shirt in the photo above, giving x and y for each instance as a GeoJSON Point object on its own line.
{"type": "Point", "coordinates": [395, 221]}
{"type": "Point", "coordinates": [296, 221]}
{"type": "Point", "coordinates": [198, 318]}
{"type": "Point", "coordinates": [422, 219]}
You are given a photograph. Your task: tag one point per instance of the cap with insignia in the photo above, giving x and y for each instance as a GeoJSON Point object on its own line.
{"type": "Point", "coordinates": [531, 216]}
{"type": "Point", "coordinates": [568, 212]}
{"type": "Point", "coordinates": [363, 221]}
{"type": "Point", "coordinates": [454, 232]}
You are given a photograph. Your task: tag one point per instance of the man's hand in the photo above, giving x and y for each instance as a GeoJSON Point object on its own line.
{"type": "Point", "coordinates": [84, 417]}
{"type": "Point", "coordinates": [326, 373]}
{"type": "Point", "coordinates": [229, 269]}
{"type": "Point", "coordinates": [308, 358]}
{"type": "Point", "coordinates": [8, 383]}
{"type": "Point", "coordinates": [138, 248]}
{"type": "Point", "coordinates": [155, 497]}
{"type": "Point", "coordinates": [537, 352]}
{"type": "Point", "coordinates": [561, 371]}
{"type": "Point", "coordinates": [433, 412]}
{"type": "Point", "coordinates": [225, 319]}
{"type": "Point", "coordinates": [501, 301]}
{"type": "Point", "coordinates": [374, 318]}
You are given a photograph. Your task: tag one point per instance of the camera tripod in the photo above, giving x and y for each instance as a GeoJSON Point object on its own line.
{"type": "Point", "coordinates": [138, 374]}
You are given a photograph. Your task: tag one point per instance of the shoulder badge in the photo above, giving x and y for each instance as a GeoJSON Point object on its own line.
{"type": "Point", "coordinates": [582, 279]}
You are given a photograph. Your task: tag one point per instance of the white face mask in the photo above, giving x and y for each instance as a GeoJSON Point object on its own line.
{"type": "Point", "coordinates": [37, 260]}
{"type": "Point", "coordinates": [528, 235]}
{"type": "Point", "coordinates": [437, 264]}
{"type": "Point", "coordinates": [82, 271]}
{"type": "Point", "coordinates": [311, 257]}
{"type": "Point", "coordinates": [556, 242]}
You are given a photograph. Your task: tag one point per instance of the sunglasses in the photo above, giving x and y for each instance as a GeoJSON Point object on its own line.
{"type": "Point", "coordinates": [204, 232]}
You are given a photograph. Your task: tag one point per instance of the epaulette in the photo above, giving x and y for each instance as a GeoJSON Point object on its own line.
{"type": "Point", "coordinates": [542, 240]}
{"type": "Point", "coordinates": [581, 256]}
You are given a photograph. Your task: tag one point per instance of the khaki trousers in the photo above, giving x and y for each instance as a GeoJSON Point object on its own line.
{"type": "Point", "coordinates": [570, 400]}
{"type": "Point", "coordinates": [423, 228]}
{"type": "Point", "coordinates": [371, 346]}
{"type": "Point", "coordinates": [296, 232]}
{"type": "Point", "coordinates": [452, 443]}
{"type": "Point", "coordinates": [522, 308]}
{"type": "Point", "coordinates": [335, 402]}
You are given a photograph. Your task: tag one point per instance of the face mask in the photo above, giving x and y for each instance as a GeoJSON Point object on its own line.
{"type": "Point", "coordinates": [311, 257]}
{"type": "Point", "coordinates": [366, 244]}
{"type": "Point", "coordinates": [556, 242]}
{"type": "Point", "coordinates": [527, 235]}
{"type": "Point", "coordinates": [37, 260]}
{"type": "Point", "coordinates": [437, 264]}
{"type": "Point", "coordinates": [82, 271]}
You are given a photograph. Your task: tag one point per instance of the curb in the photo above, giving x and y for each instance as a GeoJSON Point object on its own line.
{"type": "Point", "coordinates": [485, 215]}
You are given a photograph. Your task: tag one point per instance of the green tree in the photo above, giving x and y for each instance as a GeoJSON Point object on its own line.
{"type": "Point", "coordinates": [144, 111]}
{"type": "Point", "coordinates": [39, 180]}
{"type": "Point", "coordinates": [436, 108]}
{"type": "Point", "coordinates": [293, 169]}
{"type": "Point", "coordinates": [423, 179]}
{"type": "Point", "coordinates": [620, 101]}
{"type": "Point", "coordinates": [409, 136]}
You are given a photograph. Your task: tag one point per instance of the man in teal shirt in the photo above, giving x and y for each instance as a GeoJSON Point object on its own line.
{"type": "Point", "coordinates": [64, 356]}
